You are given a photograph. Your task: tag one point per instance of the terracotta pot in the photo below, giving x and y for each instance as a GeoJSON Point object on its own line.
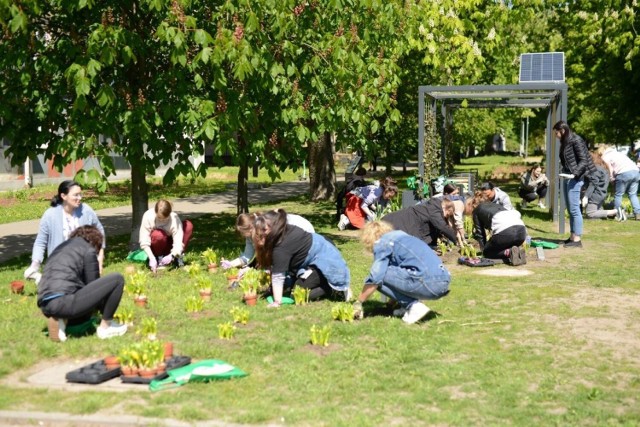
{"type": "Point", "coordinates": [168, 350]}
{"type": "Point", "coordinates": [213, 268]}
{"type": "Point", "coordinates": [128, 371]}
{"type": "Point", "coordinates": [140, 301]}
{"type": "Point", "coordinates": [205, 294]}
{"type": "Point", "coordinates": [111, 362]}
{"type": "Point", "coordinates": [231, 279]}
{"type": "Point", "coordinates": [147, 373]}
{"type": "Point", "coordinates": [17, 286]}
{"type": "Point", "coordinates": [250, 299]}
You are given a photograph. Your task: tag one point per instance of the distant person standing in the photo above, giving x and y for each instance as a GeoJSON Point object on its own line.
{"type": "Point", "coordinates": [576, 164]}
{"type": "Point", "coordinates": [533, 184]}
{"type": "Point", "coordinates": [494, 194]}
{"type": "Point", "coordinates": [625, 173]}
{"type": "Point", "coordinates": [163, 237]}
{"type": "Point", "coordinates": [67, 212]}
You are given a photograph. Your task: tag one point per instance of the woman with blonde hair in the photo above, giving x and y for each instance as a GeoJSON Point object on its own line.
{"type": "Point", "coordinates": [404, 268]}
{"type": "Point", "coordinates": [625, 173]}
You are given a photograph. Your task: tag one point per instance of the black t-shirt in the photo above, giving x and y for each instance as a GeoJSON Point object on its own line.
{"type": "Point", "coordinates": [291, 252]}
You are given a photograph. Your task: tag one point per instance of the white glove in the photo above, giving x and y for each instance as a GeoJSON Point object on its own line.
{"type": "Point", "coordinates": [566, 175]}
{"type": "Point", "coordinates": [33, 273]}
{"type": "Point", "coordinates": [584, 201]}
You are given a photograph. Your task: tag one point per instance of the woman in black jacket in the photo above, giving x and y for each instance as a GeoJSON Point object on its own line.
{"type": "Point", "coordinates": [596, 192]}
{"type": "Point", "coordinates": [426, 221]}
{"type": "Point", "coordinates": [71, 287]}
{"type": "Point", "coordinates": [576, 164]}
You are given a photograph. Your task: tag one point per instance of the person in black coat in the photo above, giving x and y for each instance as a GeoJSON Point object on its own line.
{"type": "Point", "coordinates": [576, 164]}
{"type": "Point", "coordinates": [71, 288]}
{"type": "Point", "coordinates": [596, 191]}
{"type": "Point", "coordinates": [426, 221]}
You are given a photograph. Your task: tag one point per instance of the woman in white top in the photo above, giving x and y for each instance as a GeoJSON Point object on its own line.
{"type": "Point", "coordinates": [626, 176]}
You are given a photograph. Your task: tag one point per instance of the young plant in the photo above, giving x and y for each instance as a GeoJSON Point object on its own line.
{"type": "Point", "coordinates": [442, 247]}
{"type": "Point", "coordinates": [210, 256]}
{"type": "Point", "coordinates": [300, 295]}
{"type": "Point", "coordinates": [124, 316]}
{"type": "Point", "coordinates": [193, 270]}
{"type": "Point", "coordinates": [232, 273]}
{"type": "Point", "coordinates": [250, 282]}
{"type": "Point", "coordinates": [342, 311]}
{"type": "Point", "coordinates": [226, 330]}
{"type": "Point", "coordinates": [149, 328]}
{"type": "Point", "coordinates": [137, 283]}
{"type": "Point", "coordinates": [320, 336]}
{"type": "Point", "coordinates": [240, 315]}
{"type": "Point", "coordinates": [468, 226]}
{"type": "Point", "coordinates": [193, 304]}
{"type": "Point", "coordinates": [203, 283]}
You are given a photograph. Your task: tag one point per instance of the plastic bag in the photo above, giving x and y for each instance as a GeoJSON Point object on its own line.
{"type": "Point", "coordinates": [138, 256]}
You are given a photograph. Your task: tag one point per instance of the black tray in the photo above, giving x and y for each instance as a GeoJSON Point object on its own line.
{"type": "Point", "coordinates": [93, 373]}
{"type": "Point", "coordinates": [173, 363]}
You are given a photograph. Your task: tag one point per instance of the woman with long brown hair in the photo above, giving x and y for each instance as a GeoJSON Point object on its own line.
{"type": "Point", "coordinates": [596, 191]}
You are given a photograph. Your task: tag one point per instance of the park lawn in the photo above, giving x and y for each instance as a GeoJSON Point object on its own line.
{"type": "Point", "coordinates": [557, 346]}
{"type": "Point", "coordinates": [28, 204]}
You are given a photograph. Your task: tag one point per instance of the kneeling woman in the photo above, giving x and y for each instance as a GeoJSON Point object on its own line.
{"type": "Point", "coordinates": [507, 230]}
{"type": "Point", "coordinates": [314, 262]}
{"type": "Point", "coordinates": [404, 268]}
{"type": "Point", "coordinates": [71, 288]}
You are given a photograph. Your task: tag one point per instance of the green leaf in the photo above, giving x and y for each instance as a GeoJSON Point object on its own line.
{"type": "Point", "coordinates": [105, 96]}
{"type": "Point", "coordinates": [93, 67]}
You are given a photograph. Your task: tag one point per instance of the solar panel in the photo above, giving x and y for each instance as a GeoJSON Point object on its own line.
{"type": "Point", "coordinates": [542, 67]}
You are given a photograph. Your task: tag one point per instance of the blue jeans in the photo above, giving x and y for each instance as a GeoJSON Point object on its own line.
{"type": "Point", "coordinates": [572, 189]}
{"type": "Point", "coordinates": [406, 287]}
{"type": "Point", "coordinates": [627, 182]}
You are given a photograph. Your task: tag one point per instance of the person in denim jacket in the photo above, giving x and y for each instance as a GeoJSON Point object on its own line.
{"type": "Point", "coordinates": [404, 268]}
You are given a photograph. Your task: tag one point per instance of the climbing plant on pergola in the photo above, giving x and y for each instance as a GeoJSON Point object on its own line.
{"type": "Point", "coordinates": [436, 108]}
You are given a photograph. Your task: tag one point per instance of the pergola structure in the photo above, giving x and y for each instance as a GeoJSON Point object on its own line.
{"type": "Point", "coordinates": [552, 96]}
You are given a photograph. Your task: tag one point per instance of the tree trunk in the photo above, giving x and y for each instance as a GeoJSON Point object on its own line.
{"type": "Point", "coordinates": [242, 200]}
{"type": "Point", "coordinates": [139, 201]}
{"type": "Point", "coordinates": [322, 171]}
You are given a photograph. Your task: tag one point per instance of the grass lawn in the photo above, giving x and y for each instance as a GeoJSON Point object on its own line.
{"type": "Point", "coordinates": [553, 342]}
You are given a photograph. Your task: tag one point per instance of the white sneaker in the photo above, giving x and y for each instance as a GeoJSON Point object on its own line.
{"type": "Point", "coordinates": [416, 312]}
{"type": "Point", "coordinates": [399, 312]}
{"type": "Point", "coordinates": [541, 205]}
{"type": "Point", "coordinates": [348, 295]}
{"type": "Point", "coordinates": [621, 214]}
{"type": "Point", "coordinates": [114, 330]}
{"type": "Point", "coordinates": [344, 221]}
{"type": "Point", "coordinates": [56, 328]}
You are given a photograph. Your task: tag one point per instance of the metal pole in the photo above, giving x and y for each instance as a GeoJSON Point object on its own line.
{"type": "Point", "coordinates": [421, 133]}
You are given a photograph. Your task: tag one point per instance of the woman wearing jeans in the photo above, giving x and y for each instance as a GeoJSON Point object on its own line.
{"type": "Point", "coordinates": [404, 268]}
{"type": "Point", "coordinates": [624, 172]}
{"type": "Point", "coordinates": [576, 164]}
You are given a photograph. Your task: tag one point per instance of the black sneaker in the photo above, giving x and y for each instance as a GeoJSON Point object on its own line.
{"type": "Point", "coordinates": [572, 244]}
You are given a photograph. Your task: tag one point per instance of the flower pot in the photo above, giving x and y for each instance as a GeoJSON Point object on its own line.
{"type": "Point", "coordinates": [168, 350]}
{"type": "Point", "coordinates": [17, 286]}
{"type": "Point", "coordinates": [111, 362]}
{"type": "Point", "coordinates": [213, 268]}
{"type": "Point", "coordinates": [147, 372]}
{"type": "Point", "coordinates": [140, 301]}
{"type": "Point", "coordinates": [231, 279]}
{"type": "Point", "coordinates": [205, 294]}
{"type": "Point", "coordinates": [250, 299]}
{"type": "Point", "coordinates": [128, 371]}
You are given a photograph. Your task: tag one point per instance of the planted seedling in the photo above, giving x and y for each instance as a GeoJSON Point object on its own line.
{"type": "Point", "coordinates": [193, 304]}
{"type": "Point", "coordinates": [149, 328]}
{"type": "Point", "coordinates": [226, 330]}
{"type": "Point", "coordinates": [124, 316]}
{"type": "Point", "coordinates": [193, 270]}
{"type": "Point", "coordinates": [300, 295]}
{"type": "Point", "coordinates": [320, 336]}
{"type": "Point", "coordinates": [343, 311]}
{"type": "Point", "coordinates": [240, 315]}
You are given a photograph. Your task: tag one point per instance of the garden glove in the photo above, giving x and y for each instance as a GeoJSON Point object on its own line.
{"type": "Point", "coordinates": [584, 202]}
{"type": "Point", "coordinates": [153, 264]}
{"type": "Point", "coordinates": [226, 264]}
{"type": "Point", "coordinates": [33, 272]}
{"type": "Point", "coordinates": [166, 260]}
{"type": "Point", "coordinates": [358, 311]}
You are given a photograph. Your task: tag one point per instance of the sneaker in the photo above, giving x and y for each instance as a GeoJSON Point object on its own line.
{"type": "Point", "coordinates": [523, 256]}
{"type": "Point", "coordinates": [415, 312]}
{"type": "Point", "coordinates": [344, 221]}
{"type": "Point", "coordinates": [572, 244]}
{"type": "Point", "coordinates": [348, 295]}
{"type": "Point", "coordinates": [358, 311]}
{"type": "Point", "coordinates": [541, 205]}
{"type": "Point", "coordinates": [621, 215]}
{"type": "Point", "coordinates": [637, 216]}
{"type": "Point", "coordinates": [399, 312]}
{"type": "Point", "coordinates": [114, 330]}
{"type": "Point", "coordinates": [514, 256]}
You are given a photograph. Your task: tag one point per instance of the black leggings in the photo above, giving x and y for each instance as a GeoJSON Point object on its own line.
{"type": "Point", "coordinates": [530, 196]}
{"type": "Point", "coordinates": [512, 236]}
{"type": "Point", "coordinates": [317, 285]}
{"type": "Point", "coordinates": [103, 294]}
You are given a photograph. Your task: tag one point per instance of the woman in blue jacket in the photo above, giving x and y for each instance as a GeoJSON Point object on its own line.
{"type": "Point", "coordinates": [67, 212]}
{"type": "Point", "coordinates": [404, 268]}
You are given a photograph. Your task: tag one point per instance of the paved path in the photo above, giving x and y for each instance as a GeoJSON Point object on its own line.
{"type": "Point", "coordinates": [17, 238]}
